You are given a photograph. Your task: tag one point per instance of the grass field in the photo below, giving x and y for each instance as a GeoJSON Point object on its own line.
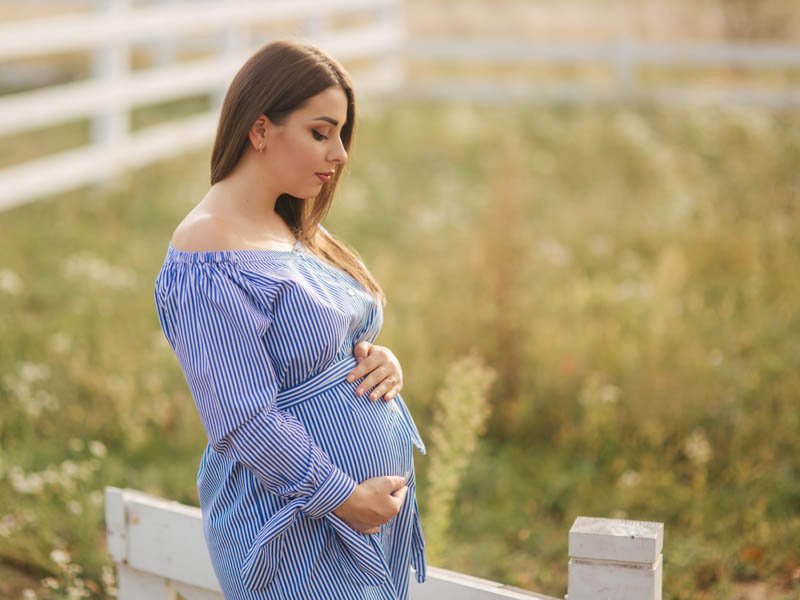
{"type": "Point", "coordinates": [630, 275]}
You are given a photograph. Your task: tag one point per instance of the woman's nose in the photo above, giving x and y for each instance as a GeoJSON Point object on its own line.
{"type": "Point", "coordinates": [338, 153]}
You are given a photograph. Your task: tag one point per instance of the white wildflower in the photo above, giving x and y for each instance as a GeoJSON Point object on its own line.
{"type": "Point", "coordinates": [75, 444]}
{"type": "Point", "coordinates": [10, 282]}
{"type": "Point", "coordinates": [25, 483]}
{"type": "Point", "coordinates": [69, 468]}
{"type": "Point", "coordinates": [76, 593]}
{"type": "Point", "coordinates": [98, 448]}
{"type": "Point", "coordinates": [107, 576]}
{"type": "Point", "coordinates": [60, 557]}
{"type": "Point", "coordinates": [629, 479]}
{"type": "Point", "coordinates": [51, 475]}
{"type": "Point", "coordinates": [697, 447]}
{"type": "Point", "coordinates": [609, 394]}
{"type": "Point", "coordinates": [28, 594]}
{"type": "Point", "coordinates": [8, 525]}
{"type": "Point", "coordinates": [32, 372]}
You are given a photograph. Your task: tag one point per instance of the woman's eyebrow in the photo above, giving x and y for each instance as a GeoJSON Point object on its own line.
{"type": "Point", "coordinates": [328, 119]}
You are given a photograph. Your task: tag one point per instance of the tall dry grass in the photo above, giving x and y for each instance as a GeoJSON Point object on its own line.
{"type": "Point", "coordinates": [458, 421]}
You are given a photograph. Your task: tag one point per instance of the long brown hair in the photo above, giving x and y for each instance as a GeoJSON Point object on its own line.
{"type": "Point", "coordinates": [277, 79]}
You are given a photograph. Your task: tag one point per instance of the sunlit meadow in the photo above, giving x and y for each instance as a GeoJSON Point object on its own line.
{"type": "Point", "coordinates": [631, 277]}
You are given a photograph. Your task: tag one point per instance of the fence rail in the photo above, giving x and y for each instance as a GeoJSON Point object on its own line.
{"type": "Point", "coordinates": [624, 58]}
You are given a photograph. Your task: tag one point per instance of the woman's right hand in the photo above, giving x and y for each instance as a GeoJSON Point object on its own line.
{"type": "Point", "coordinates": [372, 503]}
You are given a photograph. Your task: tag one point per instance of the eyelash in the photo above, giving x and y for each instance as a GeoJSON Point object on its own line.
{"type": "Point", "coordinates": [318, 136]}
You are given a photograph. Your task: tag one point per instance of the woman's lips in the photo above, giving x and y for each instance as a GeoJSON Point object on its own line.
{"type": "Point", "coordinates": [323, 177]}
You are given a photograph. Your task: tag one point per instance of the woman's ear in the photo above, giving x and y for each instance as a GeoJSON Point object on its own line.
{"type": "Point", "coordinates": [259, 132]}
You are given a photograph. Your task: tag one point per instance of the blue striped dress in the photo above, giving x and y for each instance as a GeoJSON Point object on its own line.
{"type": "Point", "coordinates": [265, 339]}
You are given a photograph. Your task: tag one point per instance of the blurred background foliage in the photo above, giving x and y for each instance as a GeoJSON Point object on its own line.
{"type": "Point", "coordinates": [629, 275]}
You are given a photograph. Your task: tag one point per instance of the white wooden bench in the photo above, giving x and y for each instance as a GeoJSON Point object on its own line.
{"type": "Point", "coordinates": [160, 554]}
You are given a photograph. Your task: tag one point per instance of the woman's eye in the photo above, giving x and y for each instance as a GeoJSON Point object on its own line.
{"type": "Point", "coordinates": [318, 136]}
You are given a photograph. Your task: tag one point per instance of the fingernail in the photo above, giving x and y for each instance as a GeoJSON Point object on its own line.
{"type": "Point", "coordinates": [349, 378]}
{"type": "Point", "coordinates": [359, 391]}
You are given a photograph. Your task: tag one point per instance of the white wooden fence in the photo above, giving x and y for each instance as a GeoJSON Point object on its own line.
{"type": "Point", "coordinates": [624, 58]}
{"type": "Point", "coordinates": [114, 88]}
{"type": "Point", "coordinates": [159, 552]}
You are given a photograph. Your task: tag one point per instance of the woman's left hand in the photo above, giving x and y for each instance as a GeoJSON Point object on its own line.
{"type": "Point", "coordinates": [381, 368]}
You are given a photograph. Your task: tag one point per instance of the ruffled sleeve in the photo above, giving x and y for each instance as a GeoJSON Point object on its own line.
{"type": "Point", "coordinates": [216, 329]}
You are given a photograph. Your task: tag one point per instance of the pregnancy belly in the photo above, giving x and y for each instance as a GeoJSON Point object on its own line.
{"type": "Point", "coordinates": [363, 438]}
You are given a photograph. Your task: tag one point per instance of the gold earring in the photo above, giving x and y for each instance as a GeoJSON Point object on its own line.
{"type": "Point", "coordinates": [260, 146]}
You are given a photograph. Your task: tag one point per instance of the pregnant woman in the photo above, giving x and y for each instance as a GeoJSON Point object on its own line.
{"type": "Point", "coordinates": [307, 484]}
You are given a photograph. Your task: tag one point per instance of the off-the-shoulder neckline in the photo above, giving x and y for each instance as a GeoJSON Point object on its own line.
{"type": "Point", "coordinates": [240, 255]}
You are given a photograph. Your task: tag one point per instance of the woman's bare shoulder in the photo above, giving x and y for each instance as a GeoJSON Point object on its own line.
{"type": "Point", "coordinates": [203, 231]}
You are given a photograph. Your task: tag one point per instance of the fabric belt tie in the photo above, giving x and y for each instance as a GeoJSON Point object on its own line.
{"type": "Point", "coordinates": [359, 553]}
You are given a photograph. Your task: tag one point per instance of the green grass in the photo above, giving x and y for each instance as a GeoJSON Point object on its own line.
{"type": "Point", "coordinates": [630, 275]}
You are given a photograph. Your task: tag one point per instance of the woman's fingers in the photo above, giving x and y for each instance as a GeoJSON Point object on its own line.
{"type": "Point", "coordinates": [365, 366]}
{"type": "Point", "coordinates": [361, 350]}
{"type": "Point", "coordinates": [392, 392]}
{"type": "Point", "coordinates": [401, 495]}
{"type": "Point", "coordinates": [386, 389]}
{"type": "Point", "coordinates": [379, 370]}
{"type": "Point", "coordinates": [372, 380]}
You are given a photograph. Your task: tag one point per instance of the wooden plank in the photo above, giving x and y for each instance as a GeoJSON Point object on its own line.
{"type": "Point", "coordinates": [19, 39]}
{"type": "Point", "coordinates": [116, 526]}
{"type": "Point", "coordinates": [498, 92]}
{"type": "Point", "coordinates": [66, 170]}
{"type": "Point", "coordinates": [166, 538]}
{"type": "Point", "coordinates": [190, 592]}
{"type": "Point", "coordinates": [133, 584]}
{"type": "Point", "coordinates": [28, 110]}
{"type": "Point", "coordinates": [507, 51]}
{"type": "Point", "coordinates": [616, 540]}
{"type": "Point", "coordinates": [442, 584]}
{"type": "Point", "coordinates": [597, 580]}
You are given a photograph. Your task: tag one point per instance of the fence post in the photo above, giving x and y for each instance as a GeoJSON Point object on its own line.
{"type": "Point", "coordinates": [392, 65]}
{"type": "Point", "coordinates": [165, 50]}
{"type": "Point", "coordinates": [233, 41]}
{"type": "Point", "coordinates": [625, 69]}
{"type": "Point", "coordinates": [614, 559]}
{"type": "Point", "coordinates": [111, 64]}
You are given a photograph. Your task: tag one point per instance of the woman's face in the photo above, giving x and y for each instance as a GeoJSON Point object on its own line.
{"type": "Point", "coordinates": [303, 151]}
